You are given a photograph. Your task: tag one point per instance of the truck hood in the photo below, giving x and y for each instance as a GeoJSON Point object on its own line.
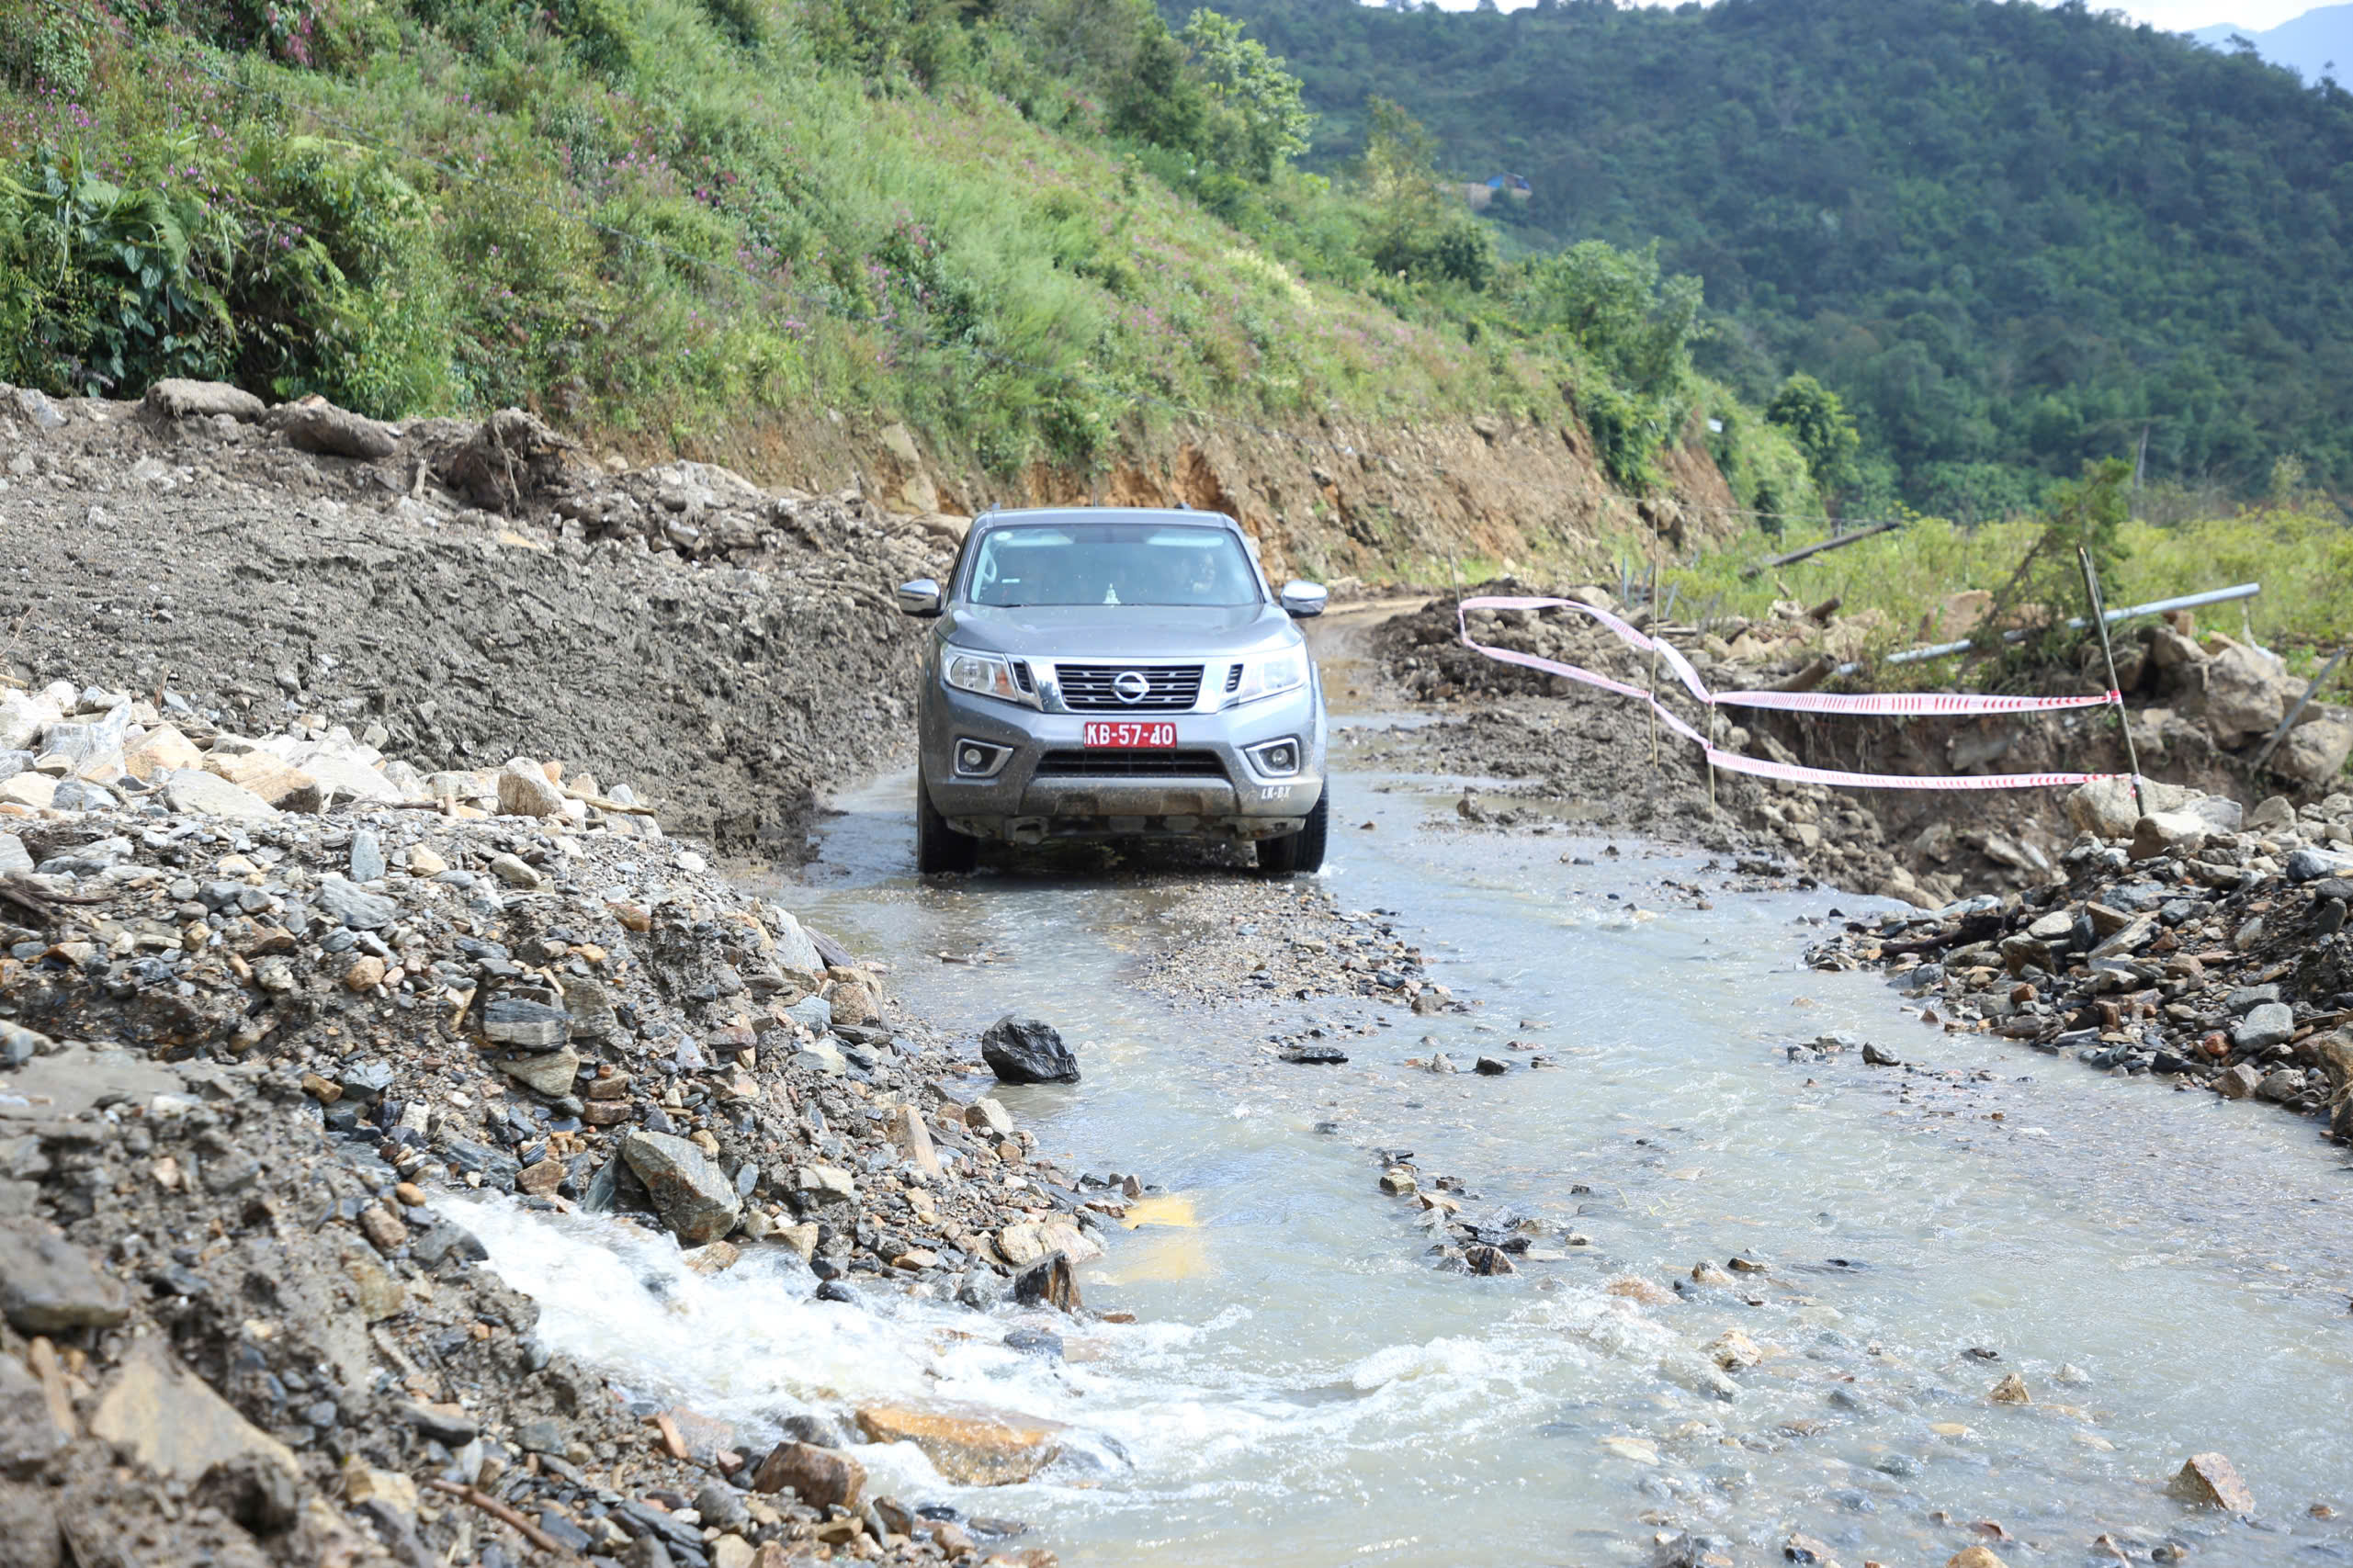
{"type": "Point", "coordinates": [1120, 631]}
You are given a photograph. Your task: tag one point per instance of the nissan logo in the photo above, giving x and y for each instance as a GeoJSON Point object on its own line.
{"type": "Point", "coordinates": [1129, 686]}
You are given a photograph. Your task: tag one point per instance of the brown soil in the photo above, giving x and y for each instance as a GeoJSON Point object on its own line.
{"type": "Point", "coordinates": [1327, 501]}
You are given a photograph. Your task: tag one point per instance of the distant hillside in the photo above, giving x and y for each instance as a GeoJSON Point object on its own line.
{"type": "Point", "coordinates": [2014, 237]}
{"type": "Point", "coordinates": [2316, 45]}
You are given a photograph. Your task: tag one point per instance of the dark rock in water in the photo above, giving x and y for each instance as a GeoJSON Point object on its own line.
{"type": "Point", "coordinates": [1315, 1055]}
{"type": "Point", "coordinates": [1876, 1057]}
{"type": "Point", "coordinates": [840, 1290]}
{"type": "Point", "coordinates": [1487, 1261]}
{"type": "Point", "coordinates": [834, 955]}
{"type": "Point", "coordinates": [1493, 1066]}
{"type": "Point", "coordinates": [1042, 1342]}
{"type": "Point", "coordinates": [1024, 1050]}
{"type": "Point", "coordinates": [1048, 1282]}
{"type": "Point", "coordinates": [2166, 1062]}
{"type": "Point", "coordinates": [819, 1431]}
{"type": "Point", "coordinates": [980, 1291]}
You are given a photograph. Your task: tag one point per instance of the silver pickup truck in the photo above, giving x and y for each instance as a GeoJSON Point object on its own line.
{"type": "Point", "coordinates": [1098, 672]}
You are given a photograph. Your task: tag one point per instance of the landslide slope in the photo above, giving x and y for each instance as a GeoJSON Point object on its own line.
{"type": "Point", "coordinates": [1032, 253]}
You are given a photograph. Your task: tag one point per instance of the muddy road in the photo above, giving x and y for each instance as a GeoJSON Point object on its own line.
{"type": "Point", "coordinates": [1741, 1287]}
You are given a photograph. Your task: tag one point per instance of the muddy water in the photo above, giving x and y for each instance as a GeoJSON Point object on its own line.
{"type": "Point", "coordinates": [2166, 1273]}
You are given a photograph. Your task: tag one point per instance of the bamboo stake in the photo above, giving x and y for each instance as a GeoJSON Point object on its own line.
{"type": "Point", "coordinates": [2123, 719]}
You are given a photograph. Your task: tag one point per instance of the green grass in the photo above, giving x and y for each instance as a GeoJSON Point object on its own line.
{"type": "Point", "coordinates": [675, 223]}
{"type": "Point", "coordinates": [2302, 558]}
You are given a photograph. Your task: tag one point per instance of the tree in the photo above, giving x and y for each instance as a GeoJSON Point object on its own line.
{"type": "Point", "coordinates": [1258, 96]}
{"type": "Point", "coordinates": [1413, 234]}
{"type": "Point", "coordinates": [2087, 513]}
{"type": "Point", "coordinates": [1615, 305]}
{"type": "Point", "coordinates": [1823, 430]}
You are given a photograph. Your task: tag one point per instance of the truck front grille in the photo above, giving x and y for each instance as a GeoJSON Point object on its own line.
{"type": "Point", "coordinates": [1168, 688]}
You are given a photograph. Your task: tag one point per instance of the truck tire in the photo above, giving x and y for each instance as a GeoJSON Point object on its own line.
{"type": "Point", "coordinates": [938, 846]}
{"type": "Point", "coordinates": [1302, 851]}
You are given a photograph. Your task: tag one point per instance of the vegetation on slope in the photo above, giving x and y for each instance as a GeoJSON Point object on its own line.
{"type": "Point", "coordinates": [1028, 227]}
{"type": "Point", "coordinates": [2014, 238]}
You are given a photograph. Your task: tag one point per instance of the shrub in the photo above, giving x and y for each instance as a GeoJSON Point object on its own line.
{"type": "Point", "coordinates": [106, 287]}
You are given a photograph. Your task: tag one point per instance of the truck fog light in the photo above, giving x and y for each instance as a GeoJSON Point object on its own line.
{"type": "Point", "coordinates": [978, 758]}
{"type": "Point", "coordinates": [1277, 758]}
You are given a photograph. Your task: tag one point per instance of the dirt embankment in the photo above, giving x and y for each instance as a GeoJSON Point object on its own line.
{"type": "Point", "coordinates": [1327, 501]}
{"type": "Point", "coordinates": [727, 651]}
{"type": "Point", "coordinates": [2199, 706]}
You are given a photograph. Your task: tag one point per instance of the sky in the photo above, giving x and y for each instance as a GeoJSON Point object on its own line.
{"type": "Point", "coordinates": [2173, 16]}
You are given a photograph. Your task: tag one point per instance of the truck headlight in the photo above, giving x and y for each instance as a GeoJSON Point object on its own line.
{"type": "Point", "coordinates": [1268, 675]}
{"type": "Point", "coordinates": [986, 675]}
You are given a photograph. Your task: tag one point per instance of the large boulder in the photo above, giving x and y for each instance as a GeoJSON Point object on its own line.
{"type": "Point", "coordinates": [175, 397]}
{"type": "Point", "coordinates": [820, 1477]}
{"type": "Point", "coordinates": [2244, 699]}
{"type": "Point", "coordinates": [315, 424]}
{"type": "Point", "coordinates": [970, 1446]}
{"type": "Point", "coordinates": [23, 717]}
{"type": "Point", "coordinates": [2105, 806]}
{"type": "Point", "coordinates": [2315, 750]}
{"type": "Point", "coordinates": [206, 794]}
{"type": "Point", "coordinates": [693, 1196]}
{"type": "Point", "coordinates": [1026, 1050]}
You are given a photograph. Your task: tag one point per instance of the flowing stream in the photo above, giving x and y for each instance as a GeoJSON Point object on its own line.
{"type": "Point", "coordinates": [2166, 1272]}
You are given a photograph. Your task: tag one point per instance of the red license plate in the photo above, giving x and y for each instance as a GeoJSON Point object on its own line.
{"type": "Point", "coordinates": [1132, 735]}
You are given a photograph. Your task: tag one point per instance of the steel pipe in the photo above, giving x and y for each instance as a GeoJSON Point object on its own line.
{"type": "Point", "coordinates": [2154, 607]}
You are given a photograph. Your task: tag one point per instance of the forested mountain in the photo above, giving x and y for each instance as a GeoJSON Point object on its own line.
{"type": "Point", "coordinates": [2013, 237]}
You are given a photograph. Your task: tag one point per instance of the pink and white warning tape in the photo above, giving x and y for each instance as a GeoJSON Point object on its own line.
{"type": "Point", "coordinates": [1902, 702]}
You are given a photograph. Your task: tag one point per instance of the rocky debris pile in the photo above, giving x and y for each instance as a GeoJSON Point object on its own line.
{"type": "Point", "coordinates": [1591, 754]}
{"type": "Point", "coordinates": [2206, 694]}
{"type": "Point", "coordinates": [72, 751]}
{"type": "Point", "coordinates": [1792, 647]}
{"type": "Point", "coordinates": [2196, 944]}
{"type": "Point", "coordinates": [255, 1052]}
{"type": "Point", "coordinates": [729, 674]}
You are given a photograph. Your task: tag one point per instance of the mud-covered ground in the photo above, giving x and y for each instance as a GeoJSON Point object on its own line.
{"type": "Point", "coordinates": [749, 658]}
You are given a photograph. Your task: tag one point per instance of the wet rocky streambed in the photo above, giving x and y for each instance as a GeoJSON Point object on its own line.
{"type": "Point", "coordinates": [1759, 1289]}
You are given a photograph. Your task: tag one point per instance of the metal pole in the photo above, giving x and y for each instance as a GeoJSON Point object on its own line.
{"type": "Point", "coordinates": [2123, 719]}
{"type": "Point", "coordinates": [1710, 757]}
{"type": "Point", "coordinates": [1654, 665]}
{"type": "Point", "coordinates": [2154, 607]}
{"type": "Point", "coordinates": [2287, 724]}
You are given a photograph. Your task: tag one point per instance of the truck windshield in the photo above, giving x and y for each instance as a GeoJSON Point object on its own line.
{"type": "Point", "coordinates": [1111, 563]}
